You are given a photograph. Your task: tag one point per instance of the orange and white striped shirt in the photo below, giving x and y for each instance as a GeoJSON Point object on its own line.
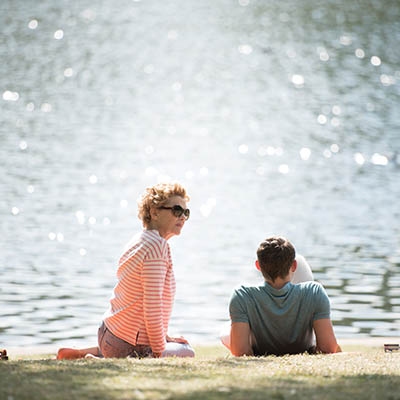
{"type": "Point", "coordinates": [143, 297]}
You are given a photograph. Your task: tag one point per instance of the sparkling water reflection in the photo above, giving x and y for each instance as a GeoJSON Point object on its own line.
{"type": "Point", "coordinates": [279, 117]}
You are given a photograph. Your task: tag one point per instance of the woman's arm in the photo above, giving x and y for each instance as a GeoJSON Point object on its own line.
{"type": "Point", "coordinates": [179, 339]}
{"type": "Point", "coordinates": [153, 278]}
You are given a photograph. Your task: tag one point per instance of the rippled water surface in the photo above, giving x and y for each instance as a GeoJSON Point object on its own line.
{"type": "Point", "coordinates": [279, 117]}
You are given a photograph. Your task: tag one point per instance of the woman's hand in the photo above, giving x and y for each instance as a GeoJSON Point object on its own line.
{"type": "Point", "coordinates": [179, 339]}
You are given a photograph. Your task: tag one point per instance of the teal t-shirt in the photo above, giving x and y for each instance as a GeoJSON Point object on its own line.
{"type": "Point", "coordinates": [280, 319]}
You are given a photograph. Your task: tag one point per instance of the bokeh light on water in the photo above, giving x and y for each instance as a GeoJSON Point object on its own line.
{"type": "Point", "coordinates": [279, 117]}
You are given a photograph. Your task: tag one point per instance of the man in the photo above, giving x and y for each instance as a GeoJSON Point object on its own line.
{"type": "Point", "coordinates": [280, 317]}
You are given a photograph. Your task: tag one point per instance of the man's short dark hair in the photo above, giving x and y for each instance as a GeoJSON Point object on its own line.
{"type": "Point", "coordinates": [275, 256]}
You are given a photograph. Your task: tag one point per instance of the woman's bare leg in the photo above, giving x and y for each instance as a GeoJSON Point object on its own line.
{"type": "Point", "coordinates": [66, 353]}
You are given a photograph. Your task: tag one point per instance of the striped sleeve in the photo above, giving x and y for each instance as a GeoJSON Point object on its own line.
{"type": "Point", "coordinates": [153, 278]}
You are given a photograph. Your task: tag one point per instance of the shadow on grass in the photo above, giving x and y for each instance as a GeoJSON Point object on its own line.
{"type": "Point", "coordinates": [52, 380]}
{"type": "Point", "coordinates": [366, 387]}
{"type": "Point", "coordinates": [180, 380]}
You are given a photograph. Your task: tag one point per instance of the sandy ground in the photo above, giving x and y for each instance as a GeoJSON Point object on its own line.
{"type": "Point", "coordinates": [52, 349]}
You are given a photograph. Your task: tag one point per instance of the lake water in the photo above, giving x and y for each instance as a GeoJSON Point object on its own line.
{"type": "Point", "coordinates": [278, 116]}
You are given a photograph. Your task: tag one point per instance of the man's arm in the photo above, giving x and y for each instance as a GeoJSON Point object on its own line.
{"type": "Point", "coordinates": [240, 339]}
{"type": "Point", "coordinates": [326, 340]}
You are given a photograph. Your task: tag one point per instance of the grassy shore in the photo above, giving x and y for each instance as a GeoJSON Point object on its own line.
{"type": "Point", "coordinates": [361, 372]}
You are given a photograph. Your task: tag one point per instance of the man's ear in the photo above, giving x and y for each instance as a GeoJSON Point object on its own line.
{"type": "Point", "coordinates": [258, 265]}
{"type": "Point", "coordinates": [294, 266]}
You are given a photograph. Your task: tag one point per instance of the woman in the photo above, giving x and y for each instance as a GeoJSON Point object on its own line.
{"type": "Point", "coordinates": [136, 323]}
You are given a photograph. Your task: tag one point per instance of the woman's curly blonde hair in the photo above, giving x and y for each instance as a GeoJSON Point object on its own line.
{"type": "Point", "coordinates": [156, 196]}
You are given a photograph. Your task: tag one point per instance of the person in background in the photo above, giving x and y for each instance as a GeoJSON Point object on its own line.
{"type": "Point", "coordinates": [136, 323]}
{"type": "Point", "coordinates": [280, 317]}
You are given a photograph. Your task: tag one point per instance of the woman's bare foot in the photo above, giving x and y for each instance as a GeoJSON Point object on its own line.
{"type": "Point", "coordinates": [66, 353]}
{"type": "Point", "coordinates": [69, 354]}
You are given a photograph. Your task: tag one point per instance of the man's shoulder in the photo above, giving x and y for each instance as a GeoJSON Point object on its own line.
{"type": "Point", "coordinates": [246, 291]}
{"type": "Point", "coordinates": [310, 285]}
{"type": "Point", "coordinates": [245, 296]}
{"type": "Point", "coordinates": [311, 288]}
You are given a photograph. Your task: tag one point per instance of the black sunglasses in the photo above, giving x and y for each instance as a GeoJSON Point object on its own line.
{"type": "Point", "coordinates": [178, 211]}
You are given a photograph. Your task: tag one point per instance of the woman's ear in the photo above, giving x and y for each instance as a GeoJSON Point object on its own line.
{"type": "Point", "coordinates": [153, 213]}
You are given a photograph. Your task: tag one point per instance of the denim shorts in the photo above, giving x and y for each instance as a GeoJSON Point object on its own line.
{"type": "Point", "coordinates": [113, 347]}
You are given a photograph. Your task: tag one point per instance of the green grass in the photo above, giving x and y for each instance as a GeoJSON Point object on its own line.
{"type": "Point", "coordinates": [359, 373]}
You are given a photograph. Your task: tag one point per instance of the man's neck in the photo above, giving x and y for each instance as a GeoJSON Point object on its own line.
{"type": "Point", "coordinates": [278, 283]}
